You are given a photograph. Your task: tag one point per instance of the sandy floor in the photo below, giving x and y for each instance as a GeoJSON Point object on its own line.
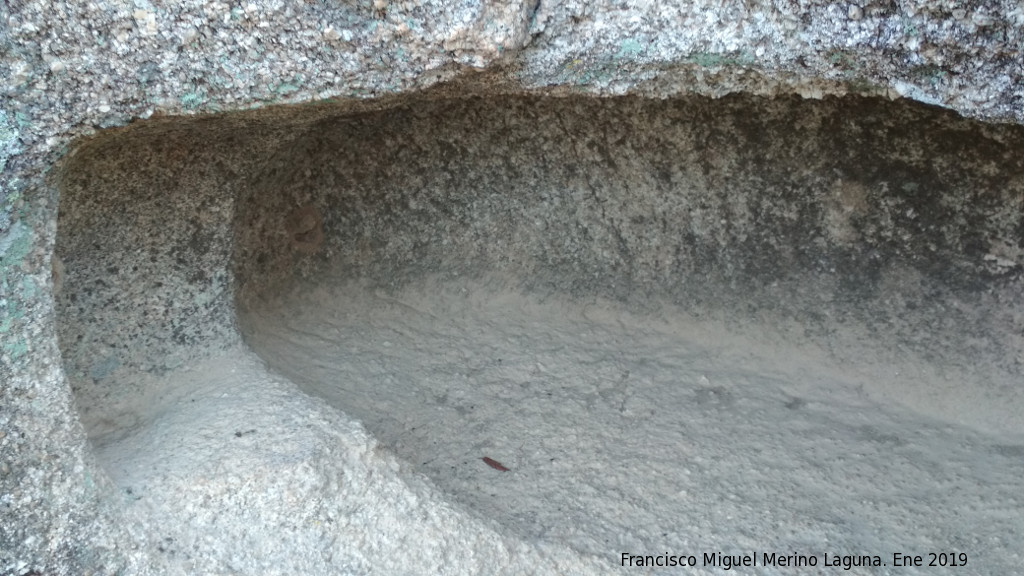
{"type": "Point", "coordinates": [645, 435]}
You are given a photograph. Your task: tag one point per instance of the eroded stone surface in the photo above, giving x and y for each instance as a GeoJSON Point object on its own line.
{"type": "Point", "coordinates": [69, 69]}
{"type": "Point", "coordinates": [827, 233]}
{"type": "Point", "coordinates": [879, 229]}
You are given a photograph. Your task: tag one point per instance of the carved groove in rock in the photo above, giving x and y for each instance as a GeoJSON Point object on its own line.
{"type": "Point", "coordinates": [634, 305]}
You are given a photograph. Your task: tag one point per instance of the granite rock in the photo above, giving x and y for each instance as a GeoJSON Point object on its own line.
{"type": "Point", "coordinates": [87, 71]}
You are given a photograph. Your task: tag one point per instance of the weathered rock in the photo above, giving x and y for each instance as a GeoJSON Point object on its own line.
{"type": "Point", "coordinates": [868, 211]}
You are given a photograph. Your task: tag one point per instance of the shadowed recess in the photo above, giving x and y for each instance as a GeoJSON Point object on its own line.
{"type": "Point", "coordinates": [617, 303]}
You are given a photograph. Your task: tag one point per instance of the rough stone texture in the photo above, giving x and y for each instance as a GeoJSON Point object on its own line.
{"type": "Point", "coordinates": [881, 229]}
{"type": "Point", "coordinates": [70, 69]}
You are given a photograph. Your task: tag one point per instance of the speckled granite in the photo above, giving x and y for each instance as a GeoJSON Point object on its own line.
{"type": "Point", "coordinates": [69, 69]}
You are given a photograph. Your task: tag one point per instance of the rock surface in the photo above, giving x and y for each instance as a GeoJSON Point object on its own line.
{"type": "Point", "coordinates": [71, 69]}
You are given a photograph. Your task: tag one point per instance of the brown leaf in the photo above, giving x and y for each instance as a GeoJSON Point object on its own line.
{"type": "Point", "coordinates": [495, 464]}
